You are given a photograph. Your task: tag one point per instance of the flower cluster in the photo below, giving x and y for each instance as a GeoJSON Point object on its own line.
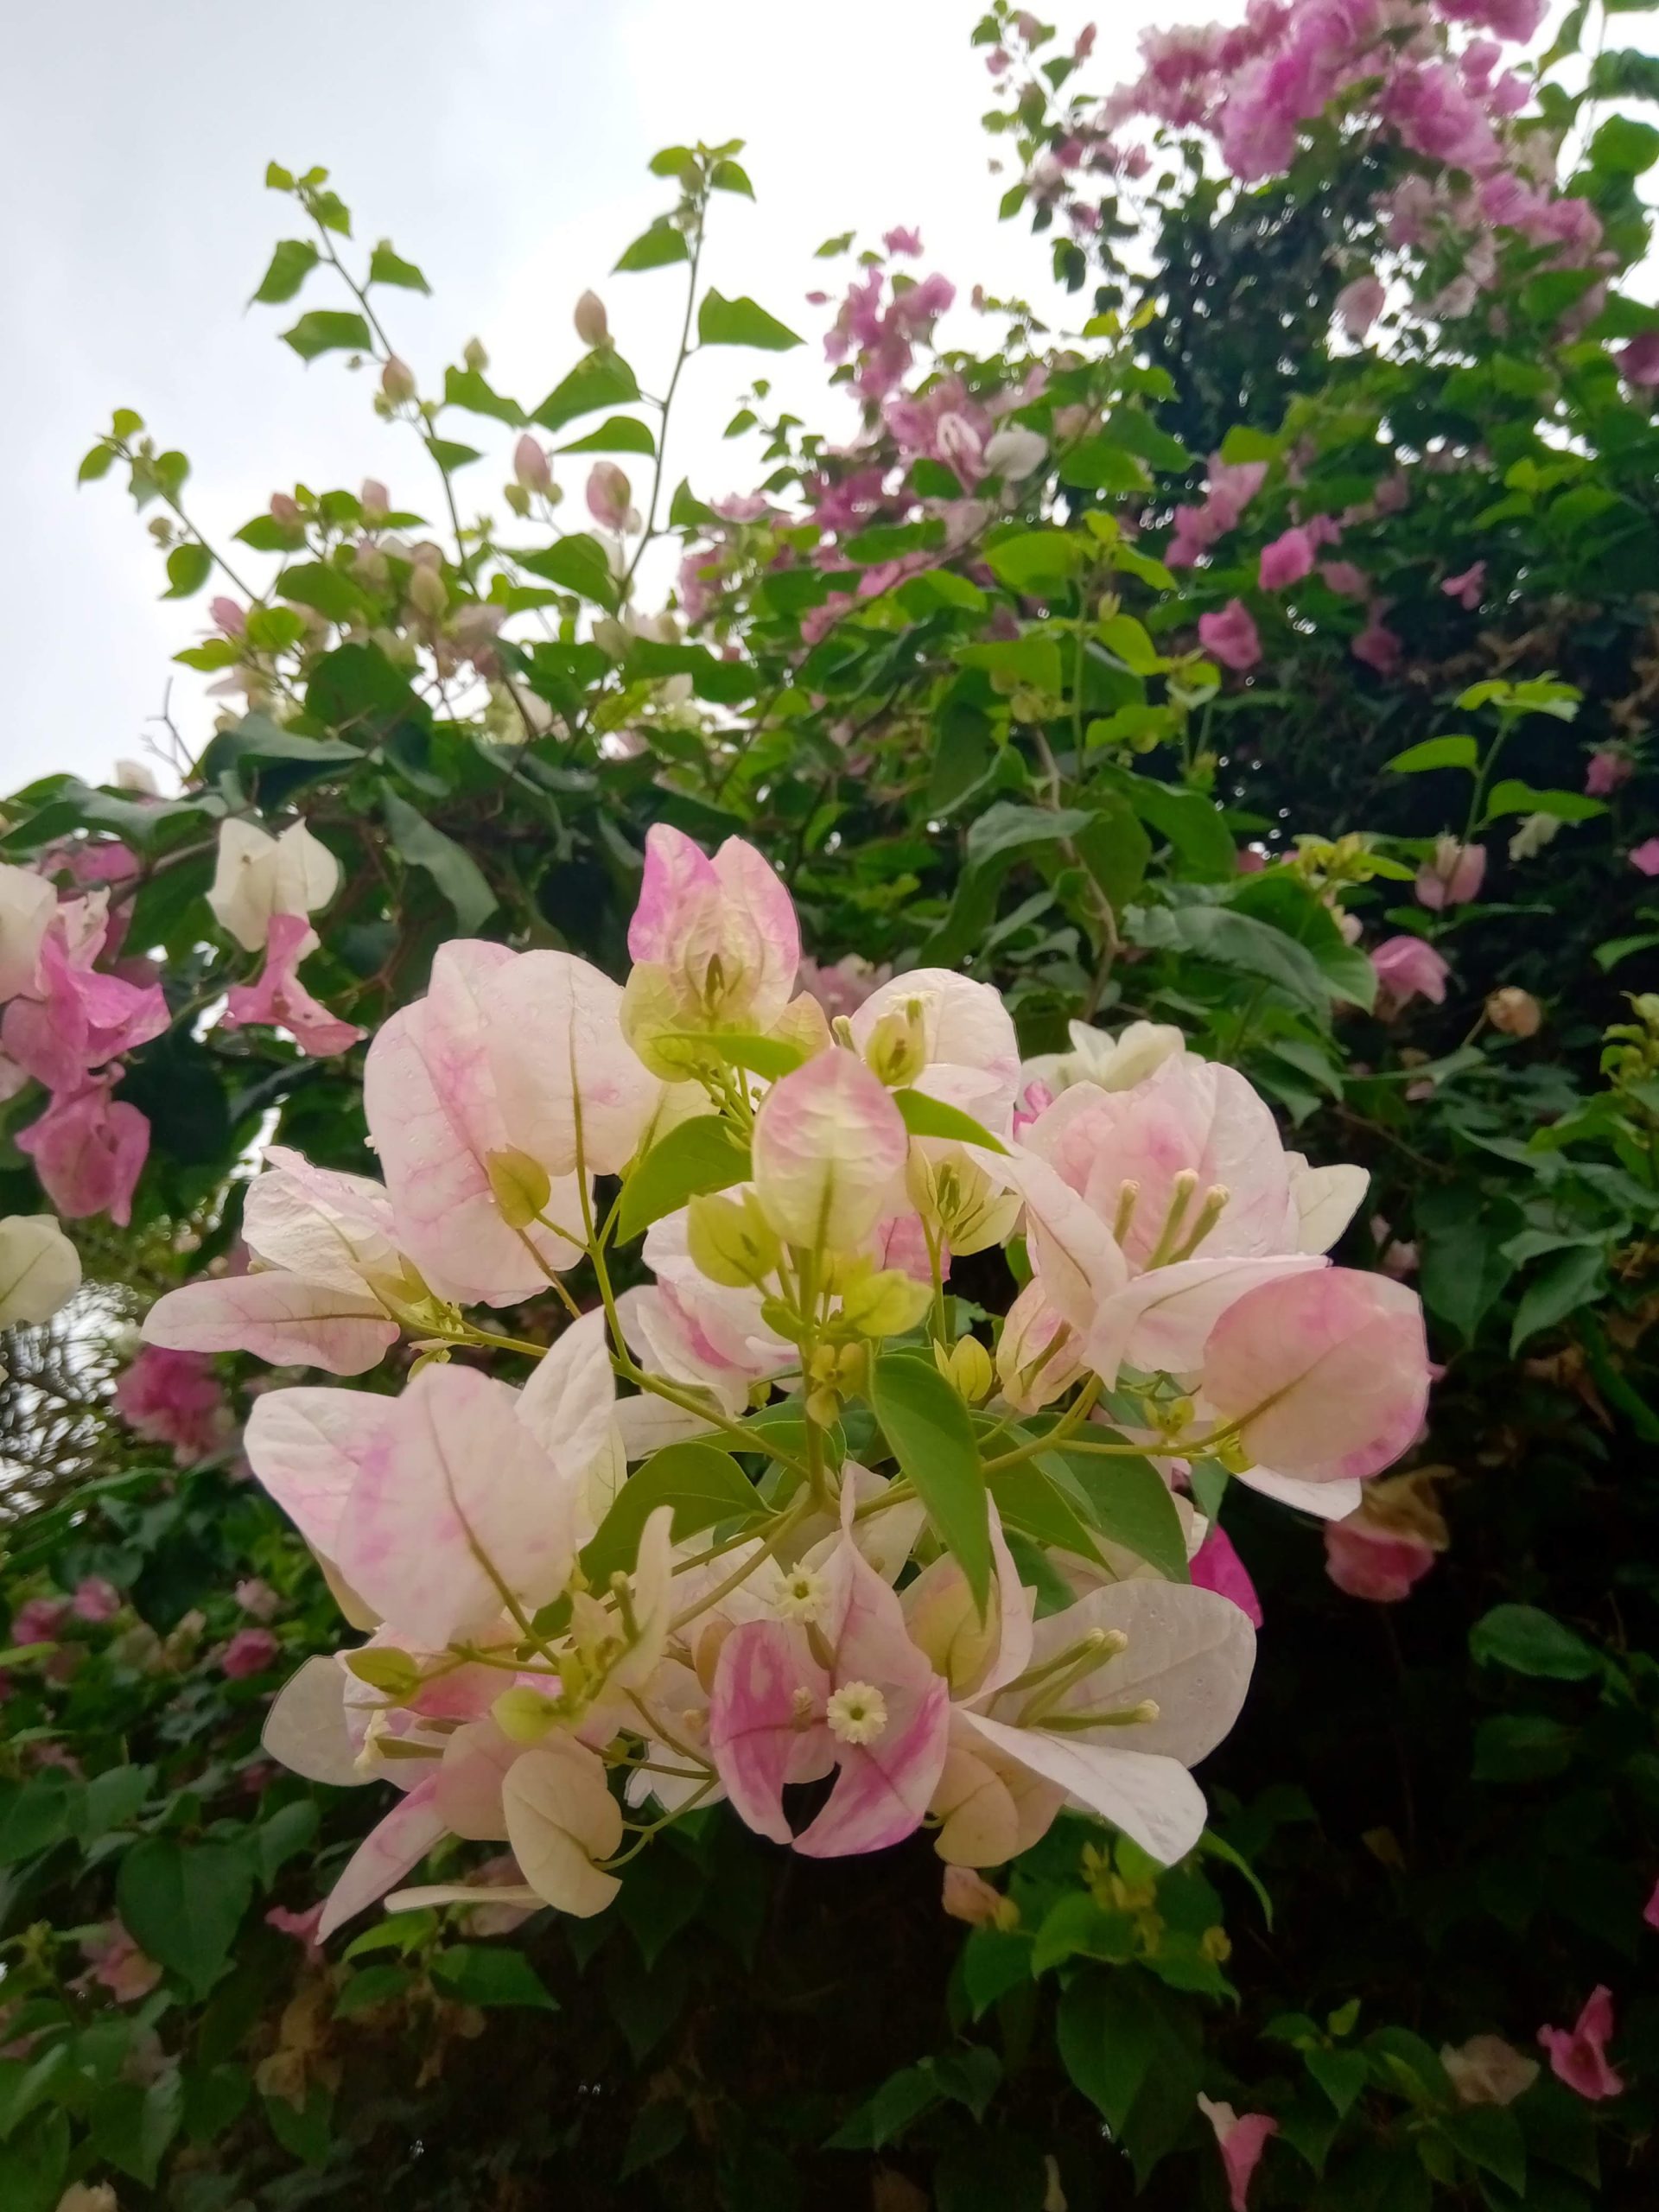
{"type": "Point", "coordinates": [68, 1021]}
{"type": "Point", "coordinates": [849, 1641]}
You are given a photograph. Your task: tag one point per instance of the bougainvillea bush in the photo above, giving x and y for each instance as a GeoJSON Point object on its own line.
{"type": "Point", "coordinates": [730, 1209]}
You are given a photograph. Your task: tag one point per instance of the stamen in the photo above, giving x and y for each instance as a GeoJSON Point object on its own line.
{"type": "Point", "coordinates": [857, 1713]}
{"type": "Point", "coordinates": [1127, 1192]}
{"type": "Point", "coordinates": [1099, 1645]}
{"type": "Point", "coordinates": [1215, 1202]}
{"type": "Point", "coordinates": [803, 1596]}
{"type": "Point", "coordinates": [1182, 1189]}
{"type": "Point", "coordinates": [1134, 1716]}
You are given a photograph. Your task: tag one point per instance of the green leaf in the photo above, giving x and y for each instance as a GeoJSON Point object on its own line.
{"type": "Point", "coordinates": [655, 248]}
{"type": "Point", "coordinates": [697, 1156]}
{"type": "Point", "coordinates": [1521, 1747]}
{"type": "Point", "coordinates": [467, 389]}
{"type": "Point", "coordinates": [601, 378]}
{"type": "Point", "coordinates": [1527, 1641]}
{"type": "Point", "coordinates": [1513, 797]}
{"type": "Point", "coordinates": [620, 434]}
{"type": "Point", "coordinates": [132, 2126]}
{"type": "Point", "coordinates": [478, 1974]}
{"type": "Point", "coordinates": [721, 321]}
{"type": "Point", "coordinates": [932, 1438]}
{"type": "Point", "coordinates": [328, 330]}
{"type": "Point", "coordinates": [1625, 146]}
{"type": "Point", "coordinates": [1571, 1280]}
{"type": "Point", "coordinates": [729, 176]}
{"type": "Point", "coordinates": [330, 591]}
{"type": "Point", "coordinates": [386, 267]}
{"type": "Point", "coordinates": [1341, 2074]}
{"type": "Point", "coordinates": [1489, 2137]}
{"type": "Point", "coordinates": [381, 1985]}
{"type": "Point", "coordinates": [1034, 559]}
{"type": "Point", "coordinates": [1459, 752]}
{"type": "Point", "coordinates": [576, 564]}
{"type": "Point", "coordinates": [33, 2168]}
{"type": "Point", "coordinates": [183, 1904]}
{"type": "Point", "coordinates": [1030, 1502]}
{"type": "Point", "coordinates": [188, 567]}
{"type": "Point", "coordinates": [36, 1814]}
{"type": "Point", "coordinates": [452, 868]}
{"type": "Point", "coordinates": [1102, 463]}
{"type": "Point", "coordinates": [931, 1117]}
{"type": "Point", "coordinates": [450, 456]}
{"type": "Point", "coordinates": [703, 1485]}
{"type": "Point", "coordinates": [1128, 1502]}
{"type": "Point", "coordinates": [290, 264]}
{"type": "Point", "coordinates": [771, 1057]}
{"type": "Point", "coordinates": [99, 463]}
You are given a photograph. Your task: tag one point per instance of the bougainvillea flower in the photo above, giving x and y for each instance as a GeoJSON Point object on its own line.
{"type": "Point", "coordinates": [1645, 858]}
{"type": "Point", "coordinates": [28, 903]}
{"type": "Point", "coordinates": [1407, 967]}
{"type": "Point", "coordinates": [1286, 560]}
{"type": "Point", "coordinates": [430, 1095]}
{"type": "Point", "coordinates": [329, 1267]}
{"type": "Point", "coordinates": [388, 1853]}
{"type": "Point", "coordinates": [829, 1148]}
{"type": "Point", "coordinates": [456, 1511]}
{"type": "Point", "coordinates": [1578, 2054]}
{"type": "Point", "coordinates": [81, 1019]}
{"type": "Point", "coordinates": [1124, 1691]}
{"type": "Point", "coordinates": [707, 1335]}
{"type": "Point", "coordinates": [1360, 303]}
{"type": "Point", "coordinates": [1453, 876]}
{"type": "Point", "coordinates": [174, 1398]}
{"type": "Point", "coordinates": [89, 1151]}
{"type": "Point", "coordinates": [257, 876]}
{"type": "Point", "coordinates": [1321, 1375]}
{"type": "Point", "coordinates": [1241, 2138]}
{"type": "Point", "coordinates": [39, 1269]}
{"type": "Point", "coordinates": [715, 943]}
{"type": "Point", "coordinates": [561, 1818]}
{"type": "Point", "coordinates": [1469, 588]}
{"type": "Point", "coordinates": [1110, 1063]}
{"type": "Point", "coordinates": [556, 1051]}
{"type": "Point", "coordinates": [1487, 2071]}
{"type": "Point", "coordinates": [1230, 636]}
{"type": "Point", "coordinates": [1216, 1566]}
{"type": "Point", "coordinates": [279, 1001]}
{"type": "Point", "coordinates": [936, 1031]}
{"type": "Point", "coordinates": [838, 1688]}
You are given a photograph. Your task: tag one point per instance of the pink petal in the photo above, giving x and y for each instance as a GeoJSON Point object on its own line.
{"type": "Point", "coordinates": [828, 1148]}
{"type": "Point", "coordinates": [755, 1732]}
{"type": "Point", "coordinates": [1166, 1318]}
{"type": "Point", "coordinates": [883, 1788]}
{"type": "Point", "coordinates": [1216, 1566]}
{"type": "Point", "coordinates": [385, 1856]}
{"type": "Point", "coordinates": [1326, 1373]}
{"type": "Point", "coordinates": [307, 1446]}
{"type": "Point", "coordinates": [553, 1026]}
{"type": "Point", "coordinates": [280, 1317]}
{"type": "Point", "coordinates": [475, 1763]}
{"type": "Point", "coordinates": [455, 1486]}
{"type": "Point", "coordinates": [1155, 1801]}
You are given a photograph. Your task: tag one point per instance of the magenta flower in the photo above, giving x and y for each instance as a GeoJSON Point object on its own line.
{"type": "Point", "coordinates": [279, 1001]}
{"type": "Point", "coordinates": [1645, 857]}
{"type": "Point", "coordinates": [1377, 645]}
{"type": "Point", "coordinates": [1241, 2141]}
{"type": "Point", "coordinates": [39, 1620]}
{"type": "Point", "coordinates": [1578, 2054]}
{"type": "Point", "coordinates": [1345, 579]}
{"type": "Point", "coordinates": [1286, 560]}
{"type": "Point", "coordinates": [174, 1398]}
{"type": "Point", "coordinates": [89, 1151]}
{"type": "Point", "coordinates": [1408, 968]}
{"type": "Point", "coordinates": [1216, 1566]}
{"type": "Point", "coordinates": [1468, 589]}
{"type": "Point", "coordinates": [250, 1651]}
{"type": "Point", "coordinates": [1606, 772]}
{"type": "Point", "coordinates": [95, 1599]}
{"type": "Point", "coordinates": [1651, 1910]}
{"type": "Point", "coordinates": [302, 1926]}
{"type": "Point", "coordinates": [838, 1688]}
{"type": "Point", "coordinates": [79, 1019]}
{"type": "Point", "coordinates": [902, 240]}
{"type": "Point", "coordinates": [1231, 636]}
{"type": "Point", "coordinates": [1378, 1564]}
{"type": "Point", "coordinates": [1638, 361]}
{"type": "Point", "coordinates": [1453, 876]}
{"type": "Point", "coordinates": [117, 1964]}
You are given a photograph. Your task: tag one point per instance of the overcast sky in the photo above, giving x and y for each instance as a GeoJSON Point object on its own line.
{"type": "Point", "coordinates": [502, 145]}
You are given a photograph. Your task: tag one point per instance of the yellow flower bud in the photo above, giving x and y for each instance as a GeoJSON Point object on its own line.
{"type": "Point", "coordinates": [967, 1367]}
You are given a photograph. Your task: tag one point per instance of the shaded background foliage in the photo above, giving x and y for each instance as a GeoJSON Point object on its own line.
{"type": "Point", "coordinates": [1436, 1820]}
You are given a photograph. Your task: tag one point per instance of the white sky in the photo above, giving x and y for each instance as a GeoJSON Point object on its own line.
{"type": "Point", "coordinates": [502, 146]}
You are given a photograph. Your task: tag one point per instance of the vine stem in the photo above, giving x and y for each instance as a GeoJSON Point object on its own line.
{"type": "Point", "coordinates": [684, 354]}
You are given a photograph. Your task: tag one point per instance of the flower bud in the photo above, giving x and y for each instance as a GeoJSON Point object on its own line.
{"type": "Point", "coordinates": [897, 1048]}
{"type": "Point", "coordinates": [609, 495]}
{"type": "Point", "coordinates": [1514, 1011]}
{"type": "Point", "coordinates": [374, 499]}
{"type": "Point", "coordinates": [427, 592]}
{"type": "Point", "coordinates": [398, 380]}
{"type": "Point", "coordinates": [518, 498]}
{"type": "Point", "coordinates": [593, 325]}
{"type": "Point", "coordinates": [969, 1897]}
{"type": "Point", "coordinates": [967, 1367]}
{"type": "Point", "coordinates": [731, 1241]}
{"type": "Point", "coordinates": [530, 464]}
{"type": "Point", "coordinates": [230, 615]}
{"type": "Point", "coordinates": [474, 355]}
{"type": "Point", "coordinates": [884, 1302]}
{"type": "Point", "coordinates": [519, 1186]}
{"type": "Point", "coordinates": [284, 510]}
